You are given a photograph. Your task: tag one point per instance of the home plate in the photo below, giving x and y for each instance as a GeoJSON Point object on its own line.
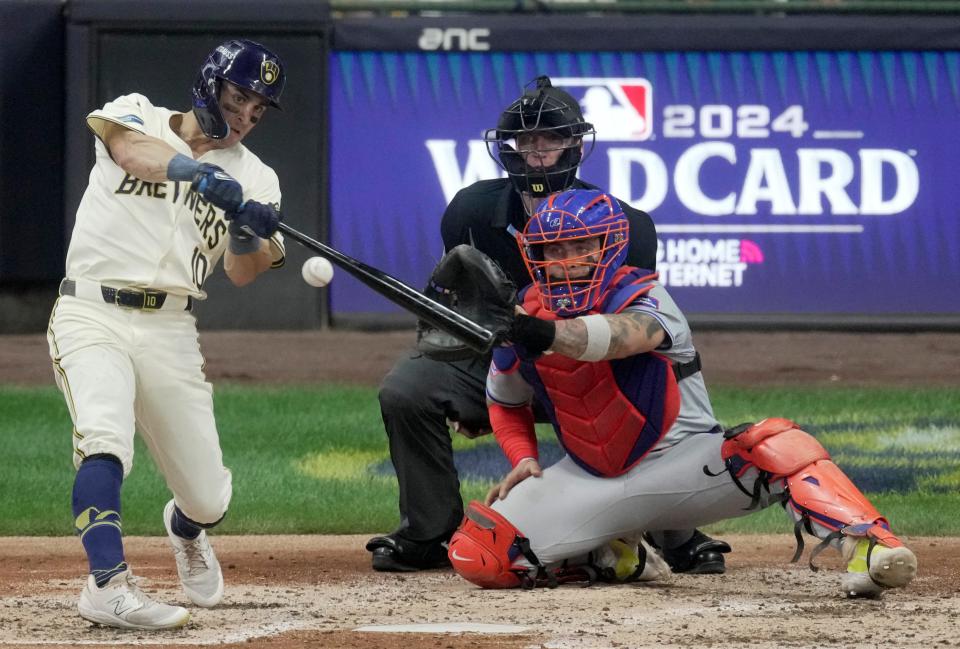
{"type": "Point", "coordinates": [452, 627]}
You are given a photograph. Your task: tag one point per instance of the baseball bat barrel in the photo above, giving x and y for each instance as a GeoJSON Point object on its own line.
{"type": "Point", "coordinates": [475, 336]}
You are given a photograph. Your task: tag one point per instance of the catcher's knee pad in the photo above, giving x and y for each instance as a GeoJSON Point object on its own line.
{"type": "Point", "coordinates": [775, 446]}
{"type": "Point", "coordinates": [485, 546]}
{"type": "Point", "coordinates": [817, 490]}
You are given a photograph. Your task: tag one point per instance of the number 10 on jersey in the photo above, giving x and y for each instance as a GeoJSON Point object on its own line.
{"type": "Point", "coordinates": [199, 264]}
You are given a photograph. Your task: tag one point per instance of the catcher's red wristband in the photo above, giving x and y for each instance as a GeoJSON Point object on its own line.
{"type": "Point", "coordinates": [513, 428]}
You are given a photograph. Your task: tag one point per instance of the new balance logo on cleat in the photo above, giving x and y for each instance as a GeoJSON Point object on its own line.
{"type": "Point", "coordinates": [630, 560]}
{"type": "Point", "coordinates": [120, 603]}
{"type": "Point", "coordinates": [118, 608]}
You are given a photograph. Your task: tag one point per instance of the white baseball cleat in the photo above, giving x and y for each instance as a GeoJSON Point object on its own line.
{"type": "Point", "coordinates": [120, 603]}
{"type": "Point", "coordinates": [888, 568]}
{"type": "Point", "coordinates": [197, 565]}
{"type": "Point", "coordinates": [656, 567]}
{"type": "Point", "coordinates": [631, 559]}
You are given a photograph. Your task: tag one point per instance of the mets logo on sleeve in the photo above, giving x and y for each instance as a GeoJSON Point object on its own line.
{"type": "Point", "coordinates": [269, 71]}
{"type": "Point", "coordinates": [620, 108]}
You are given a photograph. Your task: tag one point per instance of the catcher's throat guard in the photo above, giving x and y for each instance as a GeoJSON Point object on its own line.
{"type": "Point", "coordinates": [486, 546]}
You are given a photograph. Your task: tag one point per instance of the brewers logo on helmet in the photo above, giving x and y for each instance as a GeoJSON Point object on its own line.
{"type": "Point", "coordinates": [269, 72]}
{"type": "Point", "coordinates": [244, 63]}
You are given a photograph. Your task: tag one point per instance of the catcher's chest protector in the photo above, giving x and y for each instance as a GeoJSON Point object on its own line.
{"type": "Point", "coordinates": [607, 414]}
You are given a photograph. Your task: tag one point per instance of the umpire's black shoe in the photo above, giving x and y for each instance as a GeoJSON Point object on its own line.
{"type": "Point", "coordinates": [396, 554]}
{"type": "Point", "coordinates": [701, 555]}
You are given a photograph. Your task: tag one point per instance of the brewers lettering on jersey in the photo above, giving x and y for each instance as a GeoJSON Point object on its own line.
{"type": "Point", "coordinates": [173, 235]}
{"type": "Point", "coordinates": [170, 194]}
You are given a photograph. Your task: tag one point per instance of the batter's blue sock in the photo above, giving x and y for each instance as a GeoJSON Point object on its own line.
{"type": "Point", "coordinates": [96, 513]}
{"type": "Point", "coordinates": [183, 526]}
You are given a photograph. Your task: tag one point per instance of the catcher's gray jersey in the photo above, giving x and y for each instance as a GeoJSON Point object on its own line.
{"type": "Point", "coordinates": [696, 413]}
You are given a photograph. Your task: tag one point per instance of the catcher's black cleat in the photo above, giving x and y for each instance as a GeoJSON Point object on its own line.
{"type": "Point", "coordinates": [701, 555]}
{"type": "Point", "coordinates": [394, 554]}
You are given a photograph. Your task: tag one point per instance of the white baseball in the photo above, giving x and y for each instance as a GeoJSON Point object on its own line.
{"type": "Point", "coordinates": [317, 271]}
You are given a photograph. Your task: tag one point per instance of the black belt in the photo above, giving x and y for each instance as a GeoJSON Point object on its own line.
{"type": "Point", "coordinates": [130, 298]}
{"type": "Point", "coordinates": [683, 370]}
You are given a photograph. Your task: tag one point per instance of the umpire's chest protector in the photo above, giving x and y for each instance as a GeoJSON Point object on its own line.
{"type": "Point", "coordinates": [609, 414]}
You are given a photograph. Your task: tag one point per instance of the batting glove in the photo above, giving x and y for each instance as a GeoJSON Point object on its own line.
{"type": "Point", "coordinates": [214, 184]}
{"type": "Point", "coordinates": [254, 218]}
{"type": "Point", "coordinates": [217, 187]}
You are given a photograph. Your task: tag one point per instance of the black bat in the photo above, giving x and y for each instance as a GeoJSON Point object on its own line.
{"type": "Point", "coordinates": [478, 338]}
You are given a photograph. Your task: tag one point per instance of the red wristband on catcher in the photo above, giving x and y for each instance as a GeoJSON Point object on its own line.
{"type": "Point", "coordinates": [513, 428]}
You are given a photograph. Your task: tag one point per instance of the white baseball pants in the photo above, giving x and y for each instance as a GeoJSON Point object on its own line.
{"type": "Point", "coordinates": [126, 370]}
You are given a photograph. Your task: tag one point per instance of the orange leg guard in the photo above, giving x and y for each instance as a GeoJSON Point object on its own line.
{"type": "Point", "coordinates": [486, 545]}
{"type": "Point", "coordinates": [818, 491]}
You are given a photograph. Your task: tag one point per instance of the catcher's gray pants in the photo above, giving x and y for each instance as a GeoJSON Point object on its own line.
{"type": "Point", "coordinates": [568, 512]}
{"type": "Point", "coordinates": [416, 398]}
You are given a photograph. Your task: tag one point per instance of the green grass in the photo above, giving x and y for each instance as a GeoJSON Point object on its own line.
{"type": "Point", "coordinates": [914, 514]}
{"type": "Point", "coordinates": [302, 458]}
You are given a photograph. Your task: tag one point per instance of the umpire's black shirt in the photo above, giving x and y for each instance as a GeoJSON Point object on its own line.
{"type": "Point", "coordinates": [488, 213]}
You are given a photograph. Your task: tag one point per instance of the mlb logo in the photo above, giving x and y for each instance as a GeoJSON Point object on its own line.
{"type": "Point", "coordinates": [619, 108]}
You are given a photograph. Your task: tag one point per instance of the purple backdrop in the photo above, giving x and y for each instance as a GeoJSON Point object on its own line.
{"type": "Point", "coordinates": [791, 182]}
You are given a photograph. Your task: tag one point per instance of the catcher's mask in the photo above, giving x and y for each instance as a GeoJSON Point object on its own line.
{"type": "Point", "coordinates": [556, 118]}
{"type": "Point", "coordinates": [243, 63]}
{"type": "Point", "coordinates": [591, 231]}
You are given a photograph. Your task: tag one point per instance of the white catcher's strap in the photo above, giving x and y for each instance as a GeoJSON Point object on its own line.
{"type": "Point", "coordinates": [125, 297]}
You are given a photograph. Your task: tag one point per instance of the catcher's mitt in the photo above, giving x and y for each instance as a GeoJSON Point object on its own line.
{"type": "Point", "coordinates": [473, 285]}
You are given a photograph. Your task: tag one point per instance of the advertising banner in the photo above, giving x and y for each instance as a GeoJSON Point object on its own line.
{"type": "Point", "coordinates": [780, 182]}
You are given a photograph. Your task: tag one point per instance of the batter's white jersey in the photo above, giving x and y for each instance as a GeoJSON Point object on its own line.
{"type": "Point", "coordinates": [160, 235]}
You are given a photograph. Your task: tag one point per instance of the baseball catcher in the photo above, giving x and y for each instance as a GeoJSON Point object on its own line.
{"type": "Point", "coordinates": [606, 352]}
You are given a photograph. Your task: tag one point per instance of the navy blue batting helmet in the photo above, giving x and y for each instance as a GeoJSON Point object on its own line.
{"type": "Point", "coordinates": [244, 63]}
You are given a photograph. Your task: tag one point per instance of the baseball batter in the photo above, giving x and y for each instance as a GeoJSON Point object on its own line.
{"type": "Point", "coordinates": [170, 194]}
{"type": "Point", "coordinates": [607, 353]}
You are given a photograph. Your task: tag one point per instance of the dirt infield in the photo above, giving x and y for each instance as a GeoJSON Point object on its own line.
{"type": "Point", "coordinates": [315, 590]}
{"type": "Point", "coordinates": [299, 591]}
